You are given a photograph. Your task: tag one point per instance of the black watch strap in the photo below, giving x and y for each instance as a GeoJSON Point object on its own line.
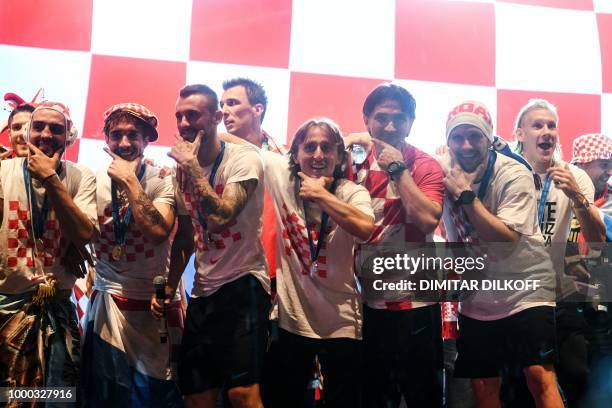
{"type": "Point", "coordinates": [395, 168]}
{"type": "Point", "coordinates": [466, 197]}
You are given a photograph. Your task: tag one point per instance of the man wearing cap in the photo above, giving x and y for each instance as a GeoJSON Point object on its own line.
{"type": "Point", "coordinates": [490, 200]}
{"type": "Point", "coordinates": [563, 191]}
{"type": "Point", "coordinates": [124, 359]}
{"type": "Point", "coordinates": [18, 121]}
{"type": "Point", "coordinates": [219, 203]}
{"type": "Point", "coordinates": [48, 213]}
{"type": "Point", "coordinates": [402, 336]}
{"type": "Point", "coordinates": [593, 154]}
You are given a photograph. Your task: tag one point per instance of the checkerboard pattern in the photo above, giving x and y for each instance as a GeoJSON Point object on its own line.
{"type": "Point", "coordinates": [136, 246]}
{"type": "Point", "coordinates": [295, 239]}
{"type": "Point", "coordinates": [214, 241]}
{"type": "Point", "coordinates": [20, 245]}
{"type": "Point", "coordinates": [315, 57]}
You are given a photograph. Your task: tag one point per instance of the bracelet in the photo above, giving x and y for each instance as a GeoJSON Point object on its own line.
{"type": "Point", "coordinates": [46, 179]}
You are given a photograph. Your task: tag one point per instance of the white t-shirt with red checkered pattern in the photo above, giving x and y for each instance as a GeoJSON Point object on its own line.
{"type": "Point", "coordinates": [237, 250]}
{"type": "Point", "coordinates": [392, 223]}
{"type": "Point", "coordinates": [141, 261]}
{"type": "Point", "coordinates": [18, 270]}
{"type": "Point", "coordinates": [327, 304]}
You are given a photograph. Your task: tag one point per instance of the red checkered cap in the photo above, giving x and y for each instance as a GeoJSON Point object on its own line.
{"type": "Point", "coordinates": [595, 146]}
{"type": "Point", "coordinates": [138, 111]}
{"type": "Point", "coordinates": [470, 113]}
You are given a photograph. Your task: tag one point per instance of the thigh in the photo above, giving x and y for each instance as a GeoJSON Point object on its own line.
{"type": "Point", "coordinates": [341, 365]}
{"type": "Point", "coordinates": [479, 347]}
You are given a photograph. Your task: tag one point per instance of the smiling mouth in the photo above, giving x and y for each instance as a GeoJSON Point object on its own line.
{"type": "Point", "coordinates": [545, 145]}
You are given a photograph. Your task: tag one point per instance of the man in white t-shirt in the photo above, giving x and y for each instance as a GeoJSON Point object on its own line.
{"type": "Point", "coordinates": [48, 213]}
{"type": "Point", "coordinates": [490, 201]}
{"type": "Point", "coordinates": [18, 122]}
{"type": "Point", "coordinates": [136, 216]}
{"type": "Point", "coordinates": [564, 191]}
{"type": "Point", "coordinates": [219, 202]}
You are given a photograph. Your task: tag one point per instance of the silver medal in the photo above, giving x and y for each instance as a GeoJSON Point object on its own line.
{"type": "Point", "coordinates": [313, 269]}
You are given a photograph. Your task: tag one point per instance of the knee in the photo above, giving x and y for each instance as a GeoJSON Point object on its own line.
{"type": "Point", "coordinates": [540, 377]}
{"type": "Point", "coordinates": [244, 397]}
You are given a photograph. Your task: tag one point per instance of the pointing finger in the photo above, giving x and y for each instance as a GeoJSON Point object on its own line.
{"type": "Point", "coordinates": [110, 153]}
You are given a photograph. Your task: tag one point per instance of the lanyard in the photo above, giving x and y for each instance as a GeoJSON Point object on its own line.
{"type": "Point", "coordinates": [314, 252]}
{"type": "Point", "coordinates": [211, 181]}
{"type": "Point", "coordinates": [38, 218]}
{"type": "Point", "coordinates": [484, 184]}
{"type": "Point", "coordinates": [543, 198]}
{"type": "Point", "coordinates": [120, 226]}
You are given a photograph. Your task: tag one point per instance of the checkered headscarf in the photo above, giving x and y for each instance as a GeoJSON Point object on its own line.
{"type": "Point", "coordinates": [591, 147]}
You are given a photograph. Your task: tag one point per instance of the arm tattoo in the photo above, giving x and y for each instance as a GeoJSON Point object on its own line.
{"type": "Point", "coordinates": [235, 198]}
{"type": "Point", "coordinates": [145, 206]}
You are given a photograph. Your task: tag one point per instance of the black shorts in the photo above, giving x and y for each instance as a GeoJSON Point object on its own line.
{"type": "Point", "coordinates": [486, 348]}
{"type": "Point", "coordinates": [225, 338]}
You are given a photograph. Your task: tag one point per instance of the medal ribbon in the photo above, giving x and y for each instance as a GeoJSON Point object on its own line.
{"type": "Point", "coordinates": [484, 184]}
{"type": "Point", "coordinates": [120, 226]}
{"type": "Point", "coordinates": [211, 181]}
{"type": "Point", "coordinates": [543, 198]}
{"type": "Point", "coordinates": [38, 217]}
{"type": "Point", "coordinates": [314, 252]}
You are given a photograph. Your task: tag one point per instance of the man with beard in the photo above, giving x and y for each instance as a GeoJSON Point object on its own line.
{"type": "Point", "coordinates": [48, 210]}
{"type": "Point", "coordinates": [564, 191]}
{"type": "Point", "coordinates": [402, 338]}
{"type": "Point", "coordinates": [18, 120]}
{"type": "Point", "coordinates": [491, 200]}
{"type": "Point", "coordinates": [124, 361]}
{"type": "Point", "coordinates": [219, 203]}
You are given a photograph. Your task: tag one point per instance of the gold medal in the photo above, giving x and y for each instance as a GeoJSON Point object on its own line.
{"type": "Point", "coordinates": [117, 252]}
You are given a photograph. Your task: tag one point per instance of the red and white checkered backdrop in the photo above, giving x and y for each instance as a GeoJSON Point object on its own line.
{"type": "Point", "coordinates": [314, 57]}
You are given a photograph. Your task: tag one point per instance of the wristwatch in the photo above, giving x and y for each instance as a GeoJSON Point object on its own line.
{"type": "Point", "coordinates": [466, 197]}
{"type": "Point", "coordinates": [395, 169]}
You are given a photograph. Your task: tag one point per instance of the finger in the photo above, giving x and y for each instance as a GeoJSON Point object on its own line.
{"type": "Point", "coordinates": [56, 156]}
{"type": "Point", "coordinates": [302, 175]}
{"type": "Point", "coordinates": [170, 154]}
{"type": "Point", "coordinates": [110, 153]}
{"type": "Point", "coordinates": [6, 154]}
{"type": "Point", "coordinates": [379, 143]}
{"type": "Point", "coordinates": [198, 140]}
{"type": "Point", "coordinates": [33, 149]}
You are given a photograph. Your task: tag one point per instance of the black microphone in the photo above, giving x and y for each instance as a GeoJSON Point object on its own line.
{"type": "Point", "coordinates": [160, 295]}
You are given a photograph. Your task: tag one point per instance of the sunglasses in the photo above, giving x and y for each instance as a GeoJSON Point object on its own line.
{"type": "Point", "coordinates": [54, 128]}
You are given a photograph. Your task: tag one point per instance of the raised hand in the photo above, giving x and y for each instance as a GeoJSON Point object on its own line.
{"type": "Point", "coordinates": [6, 155]}
{"type": "Point", "coordinates": [313, 188]}
{"type": "Point", "coordinates": [458, 180]}
{"type": "Point", "coordinates": [386, 153]}
{"type": "Point", "coordinates": [40, 165]}
{"type": "Point", "coordinates": [564, 180]}
{"type": "Point", "coordinates": [185, 151]}
{"type": "Point", "coordinates": [121, 170]}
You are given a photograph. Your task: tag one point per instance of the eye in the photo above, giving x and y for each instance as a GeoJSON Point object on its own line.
{"type": "Point", "coordinates": [16, 126]}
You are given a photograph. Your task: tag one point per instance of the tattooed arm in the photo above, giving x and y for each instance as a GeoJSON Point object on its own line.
{"type": "Point", "coordinates": [219, 211]}
{"type": "Point", "coordinates": [155, 221]}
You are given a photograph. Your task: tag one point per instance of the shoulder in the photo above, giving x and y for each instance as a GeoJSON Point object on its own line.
{"type": "Point", "coordinates": [346, 189]}
{"type": "Point", "coordinates": [421, 161]}
{"type": "Point", "coordinates": [507, 169]}
{"type": "Point", "coordinates": [78, 169]}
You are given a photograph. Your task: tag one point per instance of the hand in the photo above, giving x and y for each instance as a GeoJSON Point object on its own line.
{"type": "Point", "coordinates": [121, 170]}
{"type": "Point", "coordinates": [578, 271]}
{"type": "Point", "coordinates": [313, 188]}
{"type": "Point", "coordinates": [441, 150]}
{"type": "Point", "coordinates": [386, 154]}
{"type": "Point", "coordinates": [361, 138]}
{"type": "Point", "coordinates": [6, 155]}
{"type": "Point", "coordinates": [564, 180]}
{"type": "Point", "coordinates": [156, 309]}
{"type": "Point", "coordinates": [40, 165]}
{"type": "Point", "coordinates": [458, 180]}
{"type": "Point", "coordinates": [185, 151]}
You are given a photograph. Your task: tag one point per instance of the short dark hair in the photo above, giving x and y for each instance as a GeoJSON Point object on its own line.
{"type": "Point", "coordinates": [390, 91]}
{"type": "Point", "coordinates": [123, 116]}
{"type": "Point", "coordinates": [254, 90]}
{"type": "Point", "coordinates": [334, 131]}
{"type": "Point", "coordinates": [26, 107]}
{"type": "Point", "coordinates": [211, 96]}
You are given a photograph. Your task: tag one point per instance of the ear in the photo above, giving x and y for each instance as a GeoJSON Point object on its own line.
{"type": "Point", "coordinates": [258, 109]}
{"type": "Point", "coordinates": [218, 117]}
{"type": "Point", "coordinates": [519, 134]}
{"type": "Point", "coordinates": [365, 120]}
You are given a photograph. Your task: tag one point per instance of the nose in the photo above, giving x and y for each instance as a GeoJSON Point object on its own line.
{"type": "Point", "coordinates": [124, 142]}
{"type": "Point", "coordinates": [390, 127]}
{"type": "Point", "coordinates": [182, 122]}
{"type": "Point", "coordinates": [46, 132]}
{"type": "Point", "coordinates": [225, 110]}
{"type": "Point", "coordinates": [465, 144]}
{"type": "Point", "coordinates": [318, 153]}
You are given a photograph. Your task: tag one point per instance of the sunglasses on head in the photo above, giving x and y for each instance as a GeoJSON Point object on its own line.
{"type": "Point", "coordinates": [54, 128]}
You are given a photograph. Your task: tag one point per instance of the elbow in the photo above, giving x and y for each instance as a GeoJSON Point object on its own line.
{"type": "Point", "coordinates": [366, 231]}
{"type": "Point", "coordinates": [428, 224]}
{"type": "Point", "coordinates": [84, 235]}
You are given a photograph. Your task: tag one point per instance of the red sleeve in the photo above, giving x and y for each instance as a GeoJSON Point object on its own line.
{"type": "Point", "coordinates": [428, 175]}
